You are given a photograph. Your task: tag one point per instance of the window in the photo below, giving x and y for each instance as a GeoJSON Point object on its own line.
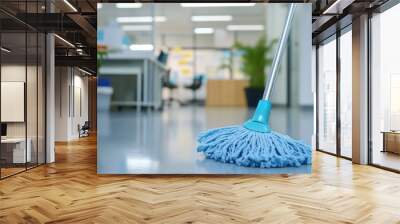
{"type": "Point", "coordinates": [385, 89]}
{"type": "Point", "coordinates": [327, 96]}
{"type": "Point", "coordinates": [346, 93]}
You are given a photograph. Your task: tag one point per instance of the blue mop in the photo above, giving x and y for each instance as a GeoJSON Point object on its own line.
{"type": "Point", "coordinates": [254, 144]}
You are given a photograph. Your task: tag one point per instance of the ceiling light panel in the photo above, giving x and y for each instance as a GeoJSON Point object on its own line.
{"type": "Point", "coordinates": [141, 19]}
{"type": "Point", "coordinates": [217, 18]}
{"type": "Point", "coordinates": [137, 28]}
{"type": "Point", "coordinates": [203, 30]}
{"type": "Point", "coordinates": [129, 5]}
{"type": "Point", "coordinates": [217, 4]}
{"type": "Point", "coordinates": [245, 27]}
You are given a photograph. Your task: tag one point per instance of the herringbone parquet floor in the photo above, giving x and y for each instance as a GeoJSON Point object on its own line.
{"type": "Point", "coordinates": [70, 191]}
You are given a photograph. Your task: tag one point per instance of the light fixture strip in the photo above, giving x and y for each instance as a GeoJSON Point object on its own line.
{"type": "Point", "coordinates": [64, 40]}
{"type": "Point", "coordinates": [141, 47]}
{"type": "Point", "coordinates": [137, 28]}
{"type": "Point", "coordinates": [70, 5]}
{"type": "Point", "coordinates": [5, 50]}
{"type": "Point", "coordinates": [141, 19]}
{"type": "Point", "coordinates": [203, 30]}
{"type": "Point", "coordinates": [129, 5]}
{"type": "Point", "coordinates": [245, 27]}
{"type": "Point", "coordinates": [215, 18]}
{"type": "Point", "coordinates": [84, 71]}
{"type": "Point", "coordinates": [336, 4]}
{"type": "Point", "coordinates": [217, 4]}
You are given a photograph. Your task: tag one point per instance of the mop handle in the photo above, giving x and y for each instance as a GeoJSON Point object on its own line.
{"type": "Point", "coordinates": [278, 55]}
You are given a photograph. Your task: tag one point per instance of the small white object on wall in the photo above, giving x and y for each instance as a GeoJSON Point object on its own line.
{"type": "Point", "coordinates": [12, 101]}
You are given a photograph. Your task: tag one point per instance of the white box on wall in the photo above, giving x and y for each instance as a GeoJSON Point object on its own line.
{"type": "Point", "coordinates": [12, 101]}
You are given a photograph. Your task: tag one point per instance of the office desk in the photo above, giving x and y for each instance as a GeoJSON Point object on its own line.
{"type": "Point", "coordinates": [391, 141]}
{"type": "Point", "coordinates": [142, 91]}
{"type": "Point", "coordinates": [13, 150]}
{"type": "Point", "coordinates": [226, 93]}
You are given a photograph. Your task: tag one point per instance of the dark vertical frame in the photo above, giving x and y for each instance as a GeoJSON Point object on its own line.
{"type": "Point", "coordinates": [26, 86]}
{"type": "Point", "coordinates": [44, 79]}
{"type": "Point", "coordinates": [37, 90]}
{"type": "Point", "coordinates": [316, 97]}
{"type": "Point", "coordinates": [0, 92]}
{"type": "Point", "coordinates": [369, 96]}
{"type": "Point", "coordinates": [72, 105]}
{"type": "Point", "coordinates": [69, 93]}
{"type": "Point", "coordinates": [338, 82]}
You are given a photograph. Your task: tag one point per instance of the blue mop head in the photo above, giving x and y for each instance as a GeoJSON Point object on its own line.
{"type": "Point", "coordinates": [254, 144]}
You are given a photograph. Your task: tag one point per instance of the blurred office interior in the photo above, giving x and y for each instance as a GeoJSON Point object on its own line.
{"type": "Point", "coordinates": [180, 69]}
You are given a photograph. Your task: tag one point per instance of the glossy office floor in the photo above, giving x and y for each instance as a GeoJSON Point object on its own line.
{"type": "Point", "coordinates": [164, 142]}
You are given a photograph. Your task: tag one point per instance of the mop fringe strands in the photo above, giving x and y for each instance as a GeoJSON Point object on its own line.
{"type": "Point", "coordinates": [254, 144]}
{"type": "Point", "coordinates": [244, 147]}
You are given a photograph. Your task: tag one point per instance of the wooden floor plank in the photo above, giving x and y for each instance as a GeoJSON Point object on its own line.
{"type": "Point", "coordinates": [70, 191]}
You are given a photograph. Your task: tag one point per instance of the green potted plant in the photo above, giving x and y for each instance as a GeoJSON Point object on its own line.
{"type": "Point", "coordinates": [254, 61]}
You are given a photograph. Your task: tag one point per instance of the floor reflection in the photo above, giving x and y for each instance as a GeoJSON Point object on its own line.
{"type": "Point", "coordinates": [386, 159]}
{"type": "Point", "coordinates": [149, 142]}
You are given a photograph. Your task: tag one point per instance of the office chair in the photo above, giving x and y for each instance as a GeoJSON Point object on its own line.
{"type": "Point", "coordinates": [84, 130]}
{"type": "Point", "coordinates": [171, 86]}
{"type": "Point", "coordinates": [196, 85]}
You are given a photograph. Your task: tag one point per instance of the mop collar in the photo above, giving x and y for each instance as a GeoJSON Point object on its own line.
{"type": "Point", "coordinates": [259, 121]}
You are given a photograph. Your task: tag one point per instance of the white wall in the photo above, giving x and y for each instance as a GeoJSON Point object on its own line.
{"type": "Point", "coordinates": [62, 80]}
{"type": "Point", "coordinates": [70, 83]}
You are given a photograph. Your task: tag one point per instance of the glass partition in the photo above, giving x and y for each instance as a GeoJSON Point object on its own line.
{"type": "Point", "coordinates": [14, 151]}
{"type": "Point", "coordinates": [22, 90]}
{"type": "Point", "coordinates": [327, 96]}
